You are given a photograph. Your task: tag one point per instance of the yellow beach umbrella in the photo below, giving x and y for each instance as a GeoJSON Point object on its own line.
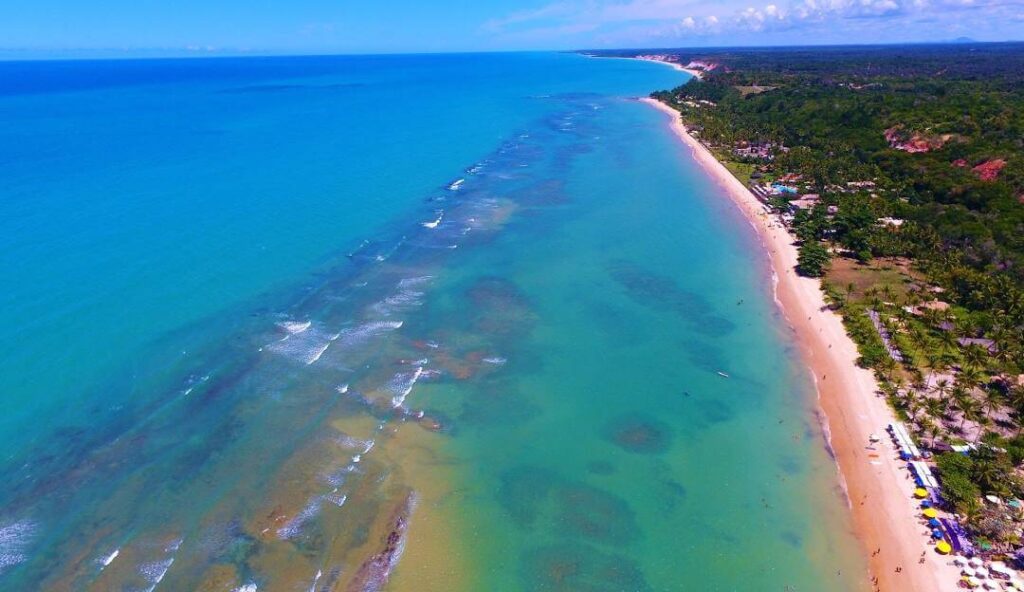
{"type": "Point", "coordinates": [943, 547]}
{"type": "Point", "coordinates": [921, 492]}
{"type": "Point", "coordinates": [930, 513]}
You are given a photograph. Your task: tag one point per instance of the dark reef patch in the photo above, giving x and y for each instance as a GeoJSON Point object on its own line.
{"type": "Point", "coordinates": [663, 293]}
{"type": "Point", "coordinates": [594, 514]}
{"type": "Point", "coordinates": [522, 493]}
{"type": "Point", "coordinates": [638, 434]}
{"type": "Point", "coordinates": [791, 538]}
{"type": "Point", "coordinates": [499, 307]}
{"type": "Point", "coordinates": [713, 411]}
{"type": "Point", "coordinates": [536, 497]}
{"type": "Point", "coordinates": [600, 467]}
{"type": "Point", "coordinates": [498, 403]}
{"type": "Point", "coordinates": [580, 568]}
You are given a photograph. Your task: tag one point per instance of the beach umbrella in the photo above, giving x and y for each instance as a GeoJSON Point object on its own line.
{"type": "Point", "coordinates": [937, 534]}
{"type": "Point", "coordinates": [943, 547]}
{"type": "Point", "coordinates": [921, 493]}
{"type": "Point", "coordinates": [930, 513]}
{"type": "Point", "coordinates": [975, 562]}
{"type": "Point", "coordinates": [934, 522]}
{"type": "Point", "coordinates": [973, 582]}
{"type": "Point", "coordinates": [966, 571]}
{"type": "Point", "coordinates": [926, 504]}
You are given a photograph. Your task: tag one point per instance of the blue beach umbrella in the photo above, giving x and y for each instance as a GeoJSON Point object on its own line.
{"type": "Point", "coordinates": [937, 534]}
{"type": "Point", "coordinates": [934, 522]}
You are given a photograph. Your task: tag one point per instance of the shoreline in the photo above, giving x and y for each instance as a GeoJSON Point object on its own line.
{"type": "Point", "coordinates": [698, 74]}
{"type": "Point", "coordinates": [879, 490]}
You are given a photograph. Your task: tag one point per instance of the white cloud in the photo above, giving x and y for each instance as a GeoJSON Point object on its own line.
{"type": "Point", "coordinates": [618, 21]}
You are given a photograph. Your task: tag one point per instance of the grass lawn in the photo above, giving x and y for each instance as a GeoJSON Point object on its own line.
{"type": "Point", "coordinates": [740, 170]}
{"type": "Point", "coordinates": [879, 273]}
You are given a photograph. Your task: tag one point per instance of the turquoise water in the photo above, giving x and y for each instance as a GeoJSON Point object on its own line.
{"type": "Point", "coordinates": [259, 335]}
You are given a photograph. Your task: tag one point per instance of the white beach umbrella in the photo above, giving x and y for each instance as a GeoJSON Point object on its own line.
{"type": "Point", "coordinates": [967, 572]}
{"type": "Point", "coordinates": [975, 562]}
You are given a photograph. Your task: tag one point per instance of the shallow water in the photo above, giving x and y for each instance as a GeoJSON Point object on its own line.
{"type": "Point", "coordinates": [430, 323]}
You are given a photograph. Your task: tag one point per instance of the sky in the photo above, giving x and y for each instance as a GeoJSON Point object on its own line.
{"type": "Point", "coordinates": [40, 28]}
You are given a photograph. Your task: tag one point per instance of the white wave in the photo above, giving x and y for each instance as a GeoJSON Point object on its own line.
{"type": "Point", "coordinates": [342, 389]}
{"type": "Point", "coordinates": [496, 360]}
{"type": "Point", "coordinates": [338, 499]}
{"type": "Point", "coordinates": [414, 281]}
{"type": "Point", "coordinates": [319, 574]}
{"type": "Point", "coordinates": [246, 588]}
{"type": "Point", "coordinates": [174, 545]}
{"type": "Point", "coordinates": [401, 385]}
{"type": "Point", "coordinates": [434, 223]}
{"type": "Point", "coordinates": [155, 571]}
{"type": "Point", "coordinates": [346, 441]}
{"type": "Point", "coordinates": [366, 331]}
{"type": "Point", "coordinates": [294, 526]}
{"type": "Point", "coordinates": [337, 478]}
{"type": "Point", "coordinates": [14, 537]}
{"type": "Point", "coordinates": [294, 327]}
{"type": "Point", "coordinates": [306, 346]}
{"type": "Point", "coordinates": [107, 560]}
{"type": "Point", "coordinates": [403, 299]}
{"type": "Point", "coordinates": [456, 185]}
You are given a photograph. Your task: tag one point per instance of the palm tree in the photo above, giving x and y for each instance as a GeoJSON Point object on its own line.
{"type": "Point", "coordinates": [935, 407]}
{"type": "Point", "coordinates": [969, 376]}
{"type": "Point", "coordinates": [888, 366]}
{"type": "Point", "coordinates": [935, 362]}
{"type": "Point", "coordinates": [970, 410]}
{"type": "Point", "coordinates": [931, 428]}
{"type": "Point", "coordinates": [949, 340]}
{"type": "Point", "coordinates": [975, 355]}
{"type": "Point", "coordinates": [992, 399]}
{"type": "Point", "coordinates": [1015, 399]}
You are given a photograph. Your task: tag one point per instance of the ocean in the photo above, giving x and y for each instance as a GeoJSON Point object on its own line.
{"type": "Point", "coordinates": [425, 322]}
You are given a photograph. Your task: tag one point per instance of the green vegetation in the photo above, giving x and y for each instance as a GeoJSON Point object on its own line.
{"type": "Point", "coordinates": [813, 259]}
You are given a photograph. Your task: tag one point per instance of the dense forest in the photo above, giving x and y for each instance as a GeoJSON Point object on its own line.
{"type": "Point", "coordinates": [900, 172]}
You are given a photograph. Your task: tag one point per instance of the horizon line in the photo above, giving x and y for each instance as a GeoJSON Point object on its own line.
{"type": "Point", "coordinates": [112, 54]}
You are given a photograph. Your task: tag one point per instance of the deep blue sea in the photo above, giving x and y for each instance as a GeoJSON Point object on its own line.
{"type": "Point", "coordinates": [427, 322]}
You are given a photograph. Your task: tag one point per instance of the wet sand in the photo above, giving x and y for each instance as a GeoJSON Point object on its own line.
{"type": "Point", "coordinates": [885, 515]}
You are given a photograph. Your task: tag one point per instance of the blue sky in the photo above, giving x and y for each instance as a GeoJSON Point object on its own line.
{"type": "Point", "coordinates": [43, 27]}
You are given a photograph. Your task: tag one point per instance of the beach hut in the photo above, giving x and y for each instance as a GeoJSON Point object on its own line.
{"type": "Point", "coordinates": [924, 474]}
